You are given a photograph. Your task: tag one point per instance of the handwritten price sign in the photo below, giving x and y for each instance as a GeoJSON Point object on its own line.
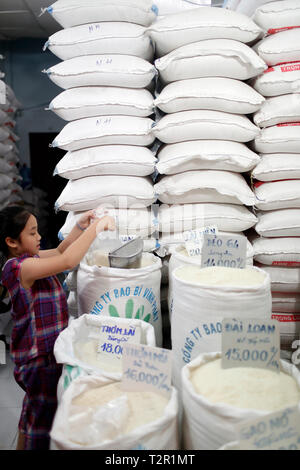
{"type": "Point", "coordinates": [146, 369]}
{"type": "Point", "coordinates": [113, 336]}
{"type": "Point", "coordinates": [224, 251]}
{"type": "Point", "coordinates": [250, 343]}
{"type": "Point", "coordinates": [276, 431]}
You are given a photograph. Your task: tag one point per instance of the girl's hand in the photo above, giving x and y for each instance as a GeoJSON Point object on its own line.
{"type": "Point", "coordinates": [106, 223]}
{"type": "Point", "coordinates": [87, 218]}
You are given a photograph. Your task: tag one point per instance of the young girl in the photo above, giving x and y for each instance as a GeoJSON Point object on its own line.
{"type": "Point", "coordinates": [39, 311]}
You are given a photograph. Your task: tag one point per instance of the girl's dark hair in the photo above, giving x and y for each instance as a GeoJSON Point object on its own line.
{"type": "Point", "coordinates": [12, 222]}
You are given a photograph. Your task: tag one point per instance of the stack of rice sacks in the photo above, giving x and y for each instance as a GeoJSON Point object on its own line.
{"type": "Point", "coordinates": [277, 185]}
{"type": "Point", "coordinates": [10, 189]}
{"type": "Point", "coordinates": [106, 73]}
{"type": "Point", "coordinates": [202, 60]}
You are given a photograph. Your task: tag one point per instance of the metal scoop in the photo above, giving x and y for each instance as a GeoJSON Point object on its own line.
{"type": "Point", "coordinates": [129, 255]}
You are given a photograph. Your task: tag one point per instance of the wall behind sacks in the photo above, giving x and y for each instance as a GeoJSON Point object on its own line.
{"type": "Point", "coordinates": [23, 65]}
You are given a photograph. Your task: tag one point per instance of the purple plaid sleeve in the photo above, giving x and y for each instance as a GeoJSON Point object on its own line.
{"type": "Point", "coordinates": [39, 313]}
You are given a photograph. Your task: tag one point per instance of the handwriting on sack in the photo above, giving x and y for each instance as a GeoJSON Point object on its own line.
{"type": "Point", "coordinates": [147, 368]}
{"type": "Point", "coordinates": [250, 343]}
{"type": "Point", "coordinates": [276, 431]}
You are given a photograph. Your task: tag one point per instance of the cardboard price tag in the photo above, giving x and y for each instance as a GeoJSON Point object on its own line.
{"type": "Point", "coordinates": [224, 251]}
{"type": "Point", "coordinates": [250, 343]}
{"type": "Point", "coordinates": [146, 369]}
{"type": "Point", "coordinates": [275, 431]}
{"type": "Point", "coordinates": [113, 337]}
{"type": "Point", "coordinates": [194, 239]}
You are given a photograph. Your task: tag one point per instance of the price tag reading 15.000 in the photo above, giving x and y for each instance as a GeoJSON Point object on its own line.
{"type": "Point", "coordinates": [250, 343]}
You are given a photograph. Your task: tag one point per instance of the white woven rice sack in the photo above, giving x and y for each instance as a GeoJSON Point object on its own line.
{"type": "Point", "coordinates": [5, 148]}
{"type": "Point", "coordinates": [216, 93]}
{"type": "Point", "coordinates": [283, 138]}
{"type": "Point", "coordinates": [207, 425]}
{"type": "Point", "coordinates": [206, 155]}
{"type": "Point", "coordinates": [277, 251]}
{"type": "Point", "coordinates": [197, 306]}
{"type": "Point", "coordinates": [124, 160]}
{"type": "Point", "coordinates": [280, 48]}
{"type": "Point", "coordinates": [116, 191]}
{"type": "Point", "coordinates": [169, 242]}
{"type": "Point", "coordinates": [284, 279]}
{"type": "Point", "coordinates": [88, 328]}
{"type": "Point", "coordinates": [5, 181]}
{"type": "Point", "coordinates": [280, 223]}
{"type": "Point", "coordinates": [168, 7]}
{"type": "Point", "coordinates": [204, 124]}
{"type": "Point", "coordinates": [278, 15]}
{"type": "Point", "coordinates": [129, 222]}
{"type": "Point", "coordinates": [160, 434]}
{"type": "Point", "coordinates": [101, 38]}
{"type": "Point", "coordinates": [74, 12]}
{"type": "Point", "coordinates": [279, 80]}
{"type": "Point", "coordinates": [247, 7]}
{"type": "Point", "coordinates": [103, 70]}
{"type": "Point", "coordinates": [210, 58]}
{"type": "Point", "coordinates": [4, 133]}
{"type": "Point", "coordinates": [277, 110]}
{"type": "Point", "coordinates": [83, 102]}
{"type": "Point", "coordinates": [285, 303]}
{"type": "Point", "coordinates": [277, 195]}
{"type": "Point", "coordinates": [5, 167]}
{"type": "Point", "coordinates": [4, 195]}
{"type": "Point", "coordinates": [277, 166]}
{"type": "Point", "coordinates": [105, 130]}
{"type": "Point", "coordinates": [289, 326]}
{"type": "Point", "coordinates": [204, 186]}
{"type": "Point", "coordinates": [121, 292]}
{"type": "Point", "coordinates": [176, 30]}
{"type": "Point", "coordinates": [227, 217]}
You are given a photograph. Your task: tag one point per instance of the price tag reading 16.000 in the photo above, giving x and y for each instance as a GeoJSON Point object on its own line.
{"type": "Point", "coordinates": [250, 343]}
{"type": "Point", "coordinates": [146, 368]}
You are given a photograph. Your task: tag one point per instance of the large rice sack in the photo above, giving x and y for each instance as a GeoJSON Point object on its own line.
{"type": "Point", "coordinates": [176, 30]}
{"type": "Point", "coordinates": [226, 217]}
{"type": "Point", "coordinates": [103, 70]}
{"type": "Point", "coordinates": [77, 347]}
{"type": "Point", "coordinates": [208, 422]}
{"type": "Point", "coordinates": [74, 12]}
{"type": "Point", "coordinates": [133, 420]}
{"type": "Point", "coordinates": [204, 186]}
{"type": "Point", "coordinates": [101, 38]}
{"type": "Point", "coordinates": [112, 190]}
{"type": "Point", "coordinates": [125, 293]}
{"type": "Point", "coordinates": [206, 155]}
{"type": "Point", "coordinates": [214, 93]}
{"type": "Point", "coordinates": [202, 298]}
{"type": "Point", "coordinates": [210, 58]}
{"type": "Point", "coordinates": [84, 102]}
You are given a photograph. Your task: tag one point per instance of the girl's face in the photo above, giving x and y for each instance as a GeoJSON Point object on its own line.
{"type": "Point", "coordinates": [29, 240]}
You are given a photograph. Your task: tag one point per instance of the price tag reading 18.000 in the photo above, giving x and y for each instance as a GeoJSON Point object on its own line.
{"type": "Point", "coordinates": [146, 369]}
{"type": "Point", "coordinates": [250, 343]}
{"type": "Point", "coordinates": [114, 335]}
{"type": "Point", "coordinates": [224, 251]}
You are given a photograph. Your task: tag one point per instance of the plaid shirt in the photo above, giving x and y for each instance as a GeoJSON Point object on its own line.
{"type": "Point", "coordinates": [39, 313]}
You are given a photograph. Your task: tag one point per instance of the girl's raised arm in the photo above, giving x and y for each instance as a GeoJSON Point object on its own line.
{"type": "Point", "coordinates": [39, 268]}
